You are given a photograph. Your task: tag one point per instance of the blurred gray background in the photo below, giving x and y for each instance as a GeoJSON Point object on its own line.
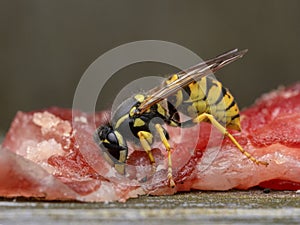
{"type": "Point", "coordinates": [46, 45]}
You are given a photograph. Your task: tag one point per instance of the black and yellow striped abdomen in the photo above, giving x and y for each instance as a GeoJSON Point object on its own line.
{"type": "Point", "coordinates": [207, 95]}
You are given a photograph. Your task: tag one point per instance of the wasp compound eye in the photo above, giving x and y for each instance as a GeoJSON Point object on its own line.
{"type": "Point", "coordinates": [112, 139]}
{"type": "Point", "coordinates": [105, 134]}
{"type": "Point", "coordinates": [102, 132]}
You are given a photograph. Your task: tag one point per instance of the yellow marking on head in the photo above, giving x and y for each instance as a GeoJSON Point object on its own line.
{"type": "Point", "coordinates": [138, 122]}
{"type": "Point", "coordinates": [105, 141]}
{"type": "Point", "coordinates": [161, 110]}
{"type": "Point", "coordinates": [132, 111]}
{"type": "Point", "coordinates": [139, 97]}
{"type": "Point", "coordinates": [121, 120]}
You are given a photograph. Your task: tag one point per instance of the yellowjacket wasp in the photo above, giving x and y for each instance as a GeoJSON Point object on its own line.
{"type": "Point", "coordinates": [191, 92]}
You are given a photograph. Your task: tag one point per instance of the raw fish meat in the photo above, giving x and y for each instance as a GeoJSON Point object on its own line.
{"type": "Point", "coordinates": [47, 155]}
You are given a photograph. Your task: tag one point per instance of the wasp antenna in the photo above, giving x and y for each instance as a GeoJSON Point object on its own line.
{"type": "Point", "coordinates": [106, 118]}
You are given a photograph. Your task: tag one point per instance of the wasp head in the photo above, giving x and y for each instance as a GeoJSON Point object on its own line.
{"type": "Point", "coordinates": [115, 147]}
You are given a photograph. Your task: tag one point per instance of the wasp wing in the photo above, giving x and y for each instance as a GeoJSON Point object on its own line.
{"type": "Point", "coordinates": [188, 76]}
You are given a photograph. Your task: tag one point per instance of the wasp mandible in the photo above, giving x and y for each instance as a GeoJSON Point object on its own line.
{"type": "Point", "coordinates": [191, 92]}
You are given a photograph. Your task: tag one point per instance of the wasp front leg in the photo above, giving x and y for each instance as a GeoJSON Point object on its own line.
{"type": "Point", "coordinates": [223, 130]}
{"type": "Point", "coordinates": [164, 140]}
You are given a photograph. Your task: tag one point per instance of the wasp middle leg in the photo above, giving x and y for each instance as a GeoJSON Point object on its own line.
{"type": "Point", "coordinates": [223, 130]}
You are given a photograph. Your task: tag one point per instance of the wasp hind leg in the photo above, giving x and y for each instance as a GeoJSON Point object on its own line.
{"type": "Point", "coordinates": [223, 130]}
{"type": "Point", "coordinates": [164, 140]}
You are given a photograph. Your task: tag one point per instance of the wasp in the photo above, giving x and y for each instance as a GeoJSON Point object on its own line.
{"type": "Point", "coordinates": [191, 92]}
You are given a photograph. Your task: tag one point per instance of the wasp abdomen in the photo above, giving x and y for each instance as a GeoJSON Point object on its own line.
{"type": "Point", "coordinates": [207, 95]}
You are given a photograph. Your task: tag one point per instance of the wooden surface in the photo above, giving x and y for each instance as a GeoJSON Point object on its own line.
{"type": "Point", "coordinates": [233, 207]}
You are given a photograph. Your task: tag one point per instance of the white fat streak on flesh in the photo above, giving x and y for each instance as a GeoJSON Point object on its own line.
{"type": "Point", "coordinates": [230, 169]}
{"type": "Point", "coordinates": [280, 91]}
{"type": "Point", "coordinates": [81, 119]}
{"type": "Point", "coordinates": [41, 151]}
{"type": "Point", "coordinates": [108, 192]}
{"type": "Point", "coordinates": [51, 123]}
